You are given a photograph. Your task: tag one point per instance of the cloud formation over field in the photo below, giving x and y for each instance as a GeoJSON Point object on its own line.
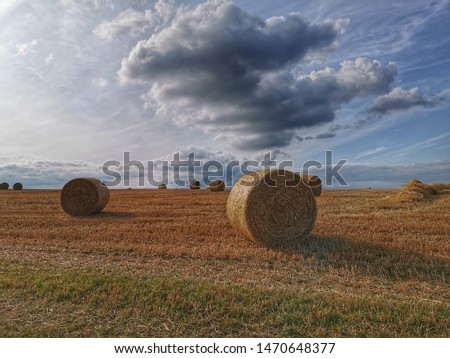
{"type": "Point", "coordinates": [38, 172]}
{"type": "Point", "coordinates": [222, 69]}
{"type": "Point", "coordinates": [400, 99]}
{"type": "Point", "coordinates": [395, 175]}
{"type": "Point", "coordinates": [218, 68]}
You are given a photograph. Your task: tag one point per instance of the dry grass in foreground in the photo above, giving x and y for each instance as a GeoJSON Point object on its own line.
{"type": "Point", "coordinates": [166, 263]}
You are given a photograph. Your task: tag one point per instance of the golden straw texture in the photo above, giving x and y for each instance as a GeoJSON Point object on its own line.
{"type": "Point", "coordinates": [84, 196]}
{"type": "Point", "coordinates": [272, 207]}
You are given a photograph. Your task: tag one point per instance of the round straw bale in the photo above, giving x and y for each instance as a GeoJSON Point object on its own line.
{"type": "Point", "coordinates": [84, 196]}
{"type": "Point", "coordinates": [194, 184]}
{"type": "Point", "coordinates": [17, 186]}
{"type": "Point", "coordinates": [314, 182]}
{"type": "Point", "coordinates": [163, 186]}
{"type": "Point", "coordinates": [217, 185]}
{"type": "Point", "coordinates": [4, 186]}
{"type": "Point", "coordinates": [272, 207]}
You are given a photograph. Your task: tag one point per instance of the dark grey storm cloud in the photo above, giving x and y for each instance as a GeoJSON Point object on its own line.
{"type": "Point", "coordinates": [224, 70]}
{"type": "Point", "coordinates": [322, 136]}
{"type": "Point", "coordinates": [400, 99]}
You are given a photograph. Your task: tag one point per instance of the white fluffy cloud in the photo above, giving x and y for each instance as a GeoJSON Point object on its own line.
{"type": "Point", "coordinates": [132, 22]}
{"type": "Point", "coordinates": [24, 48]}
{"type": "Point", "coordinates": [400, 99]}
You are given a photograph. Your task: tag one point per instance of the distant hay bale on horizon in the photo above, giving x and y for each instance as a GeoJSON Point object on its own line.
{"type": "Point", "coordinates": [84, 197]}
{"type": "Point", "coordinates": [163, 186]}
{"type": "Point", "coordinates": [314, 182]}
{"type": "Point", "coordinates": [415, 191]}
{"type": "Point", "coordinates": [194, 184]}
{"type": "Point", "coordinates": [17, 186]}
{"type": "Point", "coordinates": [217, 185]}
{"type": "Point", "coordinates": [4, 186]}
{"type": "Point", "coordinates": [272, 207]}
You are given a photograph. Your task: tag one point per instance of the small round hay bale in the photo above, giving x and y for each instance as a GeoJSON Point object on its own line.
{"type": "Point", "coordinates": [272, 207]}
{"type": "Point", "coordinates": [163, 186]}
{"type": "Point", "coordinates": [84, 196]}
{"type": "Point", "coordinates": [4, 186]}
{"type": "Point", "coordinates": [217, 185]}
{"type": "Point", "coordinates": [17, 186]}
{"type": "Point", "coordinates": [315, 183]}
{"type": "Point", "coordinates": [194, 184]}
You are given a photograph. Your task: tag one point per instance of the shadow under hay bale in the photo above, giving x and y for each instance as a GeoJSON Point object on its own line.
{"type": "Point", "coordinates": [217, 185]}
{"type": "Point", "coordinates": [194, 185]}
{"type": "Point", "coordinates": [84, 196]}
{"type": "Point", "coordinates": [163, 186]}
{"type": "Point", "coordinates": [314, 182]}
{"type": "Point", "coordinates": [4, 186]}
{"type": "Point", "coordinates": [17, 186]}
{"type": "Point", "coordinates": [272, 207]}
{"type": "Point", "coordinates": [440, 187]}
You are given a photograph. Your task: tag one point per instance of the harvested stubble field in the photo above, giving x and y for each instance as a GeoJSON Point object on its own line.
{"type": "Point", "coordinates": [166, 263]}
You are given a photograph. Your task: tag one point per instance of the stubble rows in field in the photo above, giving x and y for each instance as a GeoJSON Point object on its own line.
{"type": "Point", "coordinates": [365, 253]}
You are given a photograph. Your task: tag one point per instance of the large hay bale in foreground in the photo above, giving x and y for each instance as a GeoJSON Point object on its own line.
{"type": "Point", "coordinates": [217, 185]}
{"type": "Point", "coordinates": [272, 207]}
{"type": "Point", "coordinates": [415, 191]}
{"type": "Point", "coordinates": [163, 186]}
{"type": "Point", "coordinates": [194, 184]}
{"type": "Point", "coordinates": [314, 182]}
{"type": "Point", "coordinates": [84, 196]}
{"type": "Point", "coordinates": [4, 186]}
{"type": "Point", "coordinates": [17, 186]}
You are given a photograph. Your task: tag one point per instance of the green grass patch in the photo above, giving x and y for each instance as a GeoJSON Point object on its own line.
{"type": "Point", "coordinates": [86, 303]}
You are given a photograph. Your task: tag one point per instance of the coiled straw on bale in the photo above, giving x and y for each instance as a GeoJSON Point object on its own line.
{"type": "Point", "coordinates": [4, 186]}
{"type": "Point", "coordinates": [163, 186]}
{"type": "Point", "coordinates": [84, 196]}
{"type": "Point", "coordinates": [314, 182]}
{"type": "Point", "coordinates": [194, 184]}
{"type": "Point", "coordinates": [272, 207]}
{"type": "Point", "coordinates": [217, 185]}
{"type": "Point", "coordinates": [17, 186]}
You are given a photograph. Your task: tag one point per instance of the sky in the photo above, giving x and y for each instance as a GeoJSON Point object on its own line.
{"type": "Point", "coordinates": [82, 82]}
